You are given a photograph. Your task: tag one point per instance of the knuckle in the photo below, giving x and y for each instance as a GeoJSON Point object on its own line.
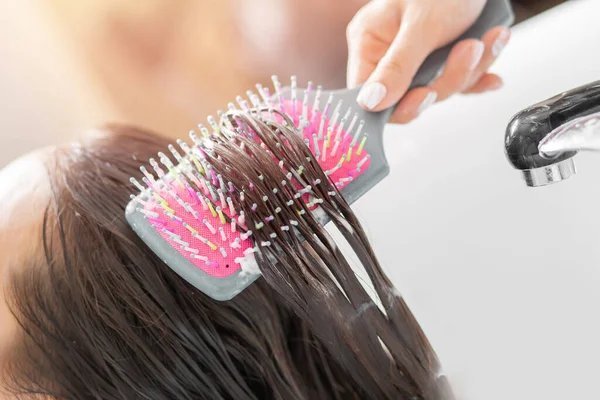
{"type": "Point", "coordinates": [392, 65]}
{"type": "Point", "coordinates": [358, 25]}
{"type": "Point", "coordinates": [355, 28]}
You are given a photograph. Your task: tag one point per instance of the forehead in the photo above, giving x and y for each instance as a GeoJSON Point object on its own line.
{"type": "Point", "coordinates": [24, 196]}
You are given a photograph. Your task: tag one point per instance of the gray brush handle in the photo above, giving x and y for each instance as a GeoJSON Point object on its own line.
{"type": "Point", "coordinates": [495, 13]}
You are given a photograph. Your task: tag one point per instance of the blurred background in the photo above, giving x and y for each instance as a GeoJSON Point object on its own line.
{"type": "Point", "coordinates": [161, 64]}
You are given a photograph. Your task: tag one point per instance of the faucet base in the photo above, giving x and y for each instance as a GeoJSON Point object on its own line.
{"type": "Point", "coordinates": [550, 174]}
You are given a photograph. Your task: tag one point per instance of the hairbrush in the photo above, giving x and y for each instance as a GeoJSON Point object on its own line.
{"type": "Point", "coordinates": [191, 214]}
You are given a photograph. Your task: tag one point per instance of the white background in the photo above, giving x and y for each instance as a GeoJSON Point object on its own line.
{"type": "Point", "coordinates": [505, 279]}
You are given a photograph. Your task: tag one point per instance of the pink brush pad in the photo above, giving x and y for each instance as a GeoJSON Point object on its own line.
{"type": "Point", "coordinates": [349, 168]}
{"type": "Point", "coordinates": [219, 266]}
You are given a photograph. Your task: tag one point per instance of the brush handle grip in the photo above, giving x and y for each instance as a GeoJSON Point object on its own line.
{"type": "Point", "coordinates": [495, 13]}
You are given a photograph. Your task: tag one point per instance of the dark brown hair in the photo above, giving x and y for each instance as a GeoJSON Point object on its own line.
{"type": "Point", "coordinates": [102, 317]}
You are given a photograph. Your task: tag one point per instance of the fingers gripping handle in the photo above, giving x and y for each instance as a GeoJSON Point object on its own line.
{"type": "Point", "coordinates": [495, 13]}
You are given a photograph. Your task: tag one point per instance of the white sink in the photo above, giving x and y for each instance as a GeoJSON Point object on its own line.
{"type": "Point", "coordinates": [504, 278]}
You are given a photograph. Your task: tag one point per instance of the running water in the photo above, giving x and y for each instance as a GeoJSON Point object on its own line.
{"type": "Point", "coordinates": [579, 134]}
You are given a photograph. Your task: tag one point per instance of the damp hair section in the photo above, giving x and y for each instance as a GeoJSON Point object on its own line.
{"type": "Point", "coordinates": [102, 317]}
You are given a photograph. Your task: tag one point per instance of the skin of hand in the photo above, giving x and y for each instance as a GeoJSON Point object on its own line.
{"type": "Point", "coordinates": [388, 40]}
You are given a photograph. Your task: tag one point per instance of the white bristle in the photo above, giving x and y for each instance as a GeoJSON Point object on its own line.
{"type": "Point", "coordinates": [194, 138]}
{"type": "Point", "coordinates": [340, 129]}
{"type": "Point", "coordinates": [305, 101]}
{"type": "Point", "coordinates": [227, 123]}
{"type": "Point", "coordinates": [149, 213]}
{"type": "Point", "coordinates": [137, 184]}
{"type": "Point", "coordinates": [136, 198]}
{"type": "Point", "coordinates": [171, 234]}
{"type": "Point", "coordinates": [213, 195]}
{"type": "Point", "coordinates": [147, 174]}
{"type": "Point", "coordinates": [221, 182]}
{"type": "Point", "coordinates": [246, 235]}
{"type": "Point", "coordinates": [240, 101]}
{"type": "Point", "coordinates": [231, 207]}
{"type": "Point", "coordinates": [184, 146]}
{"type": "Point", "coordinates": [333, 170]}
{"type": "Point", "coordinates": [352, 123]}
{"type": "Point", "coordinates": [347, 114]}
{"type": "Point", "coordinates": [324, 151]}
{"type": "Point", "coordinates": [317, 101]}
{"type": "Point", "coordinates": [277, 86]}
{"type": "Point", "coordinates": [204, 131]}
{"type": "Point", "coordinates": [294, 90]}
{"type": "Point", "coordinates": [255, 100]}
{"type": "Point", "coordinates": [363, 161]}
{"type": "Point", "coordinates": [209, 226]}
{"type": "Point", "coordinates": [336, 146]}
{"type": "Point", "coordinates": [166, 161]}
{"type": "Point", "coordinates": [316, 145]}
{"type": "Point", "coordinates": [156, 168]}
{"type": "Point", "coordinates": [172, 216]}
{"type": "Point", "coordinates": [262, 93]}
{"type": "Point", "coordinates": [202, 201]}
{"type": "Point", "coordinates": [328, 105]}
{"type": "Point", "coordinates": [213, 124]}
{"type": "Point", "coordinates": [181, 242]}
{"type": "Point", "coordinates": [336, 114]}
{"type": "Point", "coordinates": [175, 153]}
{"type": "Point", "coordinates": [321, 127]}
{"type": "Point", "coordinates": [189, 249]}
{"type": "Point", "coordinates": [250, 250]}
{"type": "Point", "coordinates": [361, 124]}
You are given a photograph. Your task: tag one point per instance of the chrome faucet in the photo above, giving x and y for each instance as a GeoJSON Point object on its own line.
{"type": "Point", "coordinates": [542, 139]}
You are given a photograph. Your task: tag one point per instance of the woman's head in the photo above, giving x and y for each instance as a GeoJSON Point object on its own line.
{"type": "Point", "coordinates": [88, 312]}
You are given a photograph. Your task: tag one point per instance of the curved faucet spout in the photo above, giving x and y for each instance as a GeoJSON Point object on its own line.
{"type": "Point", "coordinates": [542, 139]}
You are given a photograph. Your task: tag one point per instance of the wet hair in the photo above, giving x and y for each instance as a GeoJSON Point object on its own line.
{"type": "Point", "coordinates": [102, 317]}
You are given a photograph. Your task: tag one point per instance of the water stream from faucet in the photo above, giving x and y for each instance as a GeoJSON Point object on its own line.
{"type": "Point", "coordinates": [579, 134]}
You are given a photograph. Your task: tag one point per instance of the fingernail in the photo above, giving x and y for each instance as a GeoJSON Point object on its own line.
{"type": "Point", "coordinates": [496, 85]}
{"type": "Point", "coordinates": [500, 42]}
{"type": "Point", "coordinates": [476, 54]}
{"type": "Point", "coordinates": [427, 102]}
{"type": "Point", "coordinates": [371, 95]}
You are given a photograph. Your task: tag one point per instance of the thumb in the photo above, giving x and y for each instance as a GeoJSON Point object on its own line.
{"type": "Point", "coordinates": [395, 71]}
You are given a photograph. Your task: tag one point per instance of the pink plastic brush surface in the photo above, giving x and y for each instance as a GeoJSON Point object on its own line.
{"type": "Point", "coordinates": [183, 214]}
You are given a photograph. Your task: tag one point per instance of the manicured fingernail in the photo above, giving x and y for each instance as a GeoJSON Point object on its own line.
{"type": "Point", "coordinates": [476, 52]}
{"type": "Point", "coordinates": [371, 95]}
{"type": "Point", "coordinates": [427, 102]}
{"type": "Point", "coordinates": [496, 85]}
{"type": "Point", "coordinates": [500, 42]}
